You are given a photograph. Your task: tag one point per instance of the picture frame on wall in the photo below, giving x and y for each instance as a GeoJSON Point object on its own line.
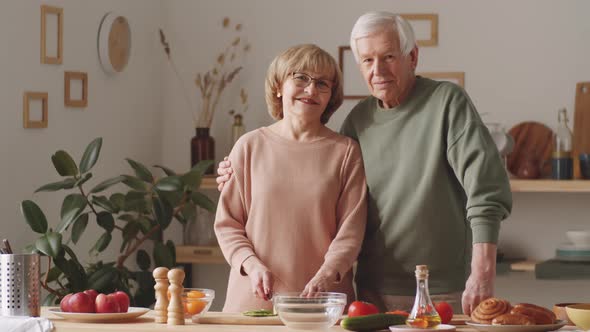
{"type": "Point", "coordinates": [57, 34]}
{"type": "Point", "coordinates": [425, 27]}
{"type": "Point", "coordinates": [81, 100]}
{"type": "Point", "coordinates": [457, 77]}
{"type": "Point", "coordinates": [353, 83]}
{"type": "Point", "coordinates": [28, 122]}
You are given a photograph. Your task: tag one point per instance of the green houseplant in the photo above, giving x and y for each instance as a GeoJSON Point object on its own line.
{"type": "Point", "coordinates": [140, 214]}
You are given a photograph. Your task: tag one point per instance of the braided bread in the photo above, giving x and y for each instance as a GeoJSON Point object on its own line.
{"type": "Point", "coordinates": [489, 309]}
{"type": "Point", "coordinates": [513, 319]}
{"type": "Point", "coordinates": [539, 314]}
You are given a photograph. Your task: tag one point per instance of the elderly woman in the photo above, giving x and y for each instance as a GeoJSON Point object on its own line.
{"type": "Point", "coordinates": [292, 217]}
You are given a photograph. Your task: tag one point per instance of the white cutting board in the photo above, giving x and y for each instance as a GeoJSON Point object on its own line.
{"type": "Point", "coordinates": [235, 319]}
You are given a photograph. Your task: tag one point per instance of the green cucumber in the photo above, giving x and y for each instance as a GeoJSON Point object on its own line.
{"type": "Point", "coordinates": [372, 322]}
{"type": "Point", "coordinates": [259, 313]}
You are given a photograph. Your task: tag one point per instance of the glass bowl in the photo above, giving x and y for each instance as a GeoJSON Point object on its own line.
{"type": "Point", "coordinates": [319, 312]}
{"type": "Point", "coordinates": [197, 301]}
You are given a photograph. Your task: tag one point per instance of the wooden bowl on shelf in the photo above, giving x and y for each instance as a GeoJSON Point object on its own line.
{"type": "Point", "coordinates": [531, 155]}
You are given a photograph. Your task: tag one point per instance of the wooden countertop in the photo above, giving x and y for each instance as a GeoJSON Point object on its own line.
{"type": "Point", "coordinates": [146, 323]}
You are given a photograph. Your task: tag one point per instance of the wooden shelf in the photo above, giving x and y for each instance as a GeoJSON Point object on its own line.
{"type": "Point", "coordinates": [208, 182]}
{"type": "Point", "coordinates": [523, 266]}
{"type": "Point", "coordinates": [550, 186]}
{"type": "Point", "coordinates": [199, 255]}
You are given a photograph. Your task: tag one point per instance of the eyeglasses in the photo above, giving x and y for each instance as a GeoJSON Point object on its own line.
{"type": "Point", "coordinates": [303, 80]}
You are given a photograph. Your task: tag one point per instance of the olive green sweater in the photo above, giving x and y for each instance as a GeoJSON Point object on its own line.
{"type": "Point", "coordinates": [436, 184]}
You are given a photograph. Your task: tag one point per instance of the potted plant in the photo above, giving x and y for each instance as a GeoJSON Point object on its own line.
{"type": "Point", "coordinates": [139, 214]}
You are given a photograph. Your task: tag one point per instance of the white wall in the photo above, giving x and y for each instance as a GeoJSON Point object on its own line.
{"type": "Point", "coordinates": [521, 60]}
{"type": "Point", "coordinates": [124, 109]}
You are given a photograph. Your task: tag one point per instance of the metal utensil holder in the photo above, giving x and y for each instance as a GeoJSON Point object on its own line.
{"type": "Point", "coordinates": [19, 285]}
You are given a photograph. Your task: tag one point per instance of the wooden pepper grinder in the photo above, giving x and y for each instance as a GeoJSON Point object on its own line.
{"type": "Point", "coordinates": [161, 307]}
{"type": "Point", "coordinates": [175, 307]}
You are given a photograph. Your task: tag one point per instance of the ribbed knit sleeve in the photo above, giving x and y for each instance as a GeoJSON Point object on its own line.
{"type": "Point", "coordinates": [477, 165]}
{"type": "Point", "coordinates": [351, 214]}
{"type": "Point", "coordinates": [231, 216]}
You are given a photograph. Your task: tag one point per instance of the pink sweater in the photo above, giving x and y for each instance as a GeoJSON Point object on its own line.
{"type": "Point", "coordinates": [298, 207]}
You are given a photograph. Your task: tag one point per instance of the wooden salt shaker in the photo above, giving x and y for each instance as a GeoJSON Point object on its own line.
{"type": "Point", "coordinates": [161, 287]}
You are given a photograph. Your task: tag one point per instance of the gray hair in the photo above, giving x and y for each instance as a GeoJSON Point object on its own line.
{"type": "Point", "coordinates": [374, 22]}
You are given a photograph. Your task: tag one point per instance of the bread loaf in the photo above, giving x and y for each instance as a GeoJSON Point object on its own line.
{"type": "Point", "coordinates": [541, 315]}
{"type": "Point", "coordinates": [513, 319]}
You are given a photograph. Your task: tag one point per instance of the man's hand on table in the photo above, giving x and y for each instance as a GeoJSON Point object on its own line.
{"type": "Point", "coordinates": [480, 284]}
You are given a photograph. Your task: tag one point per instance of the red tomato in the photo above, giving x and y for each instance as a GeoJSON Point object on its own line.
{"type": "Point", "coordinates": [445, 311]}
{"type": "Point", "coordinates": [360, 308]}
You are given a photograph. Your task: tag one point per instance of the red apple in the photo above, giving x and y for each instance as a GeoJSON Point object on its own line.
{"type": "Point", "coordinates": [123, 300]}
{"type": "Point", "coordinates": [64, 304]}
{"type": "Point", "coordinates": [92, 293]}
{"type": "Point", "coordinates": [106, 304]}
{"type": "Point", "coordinates": [80, 302]}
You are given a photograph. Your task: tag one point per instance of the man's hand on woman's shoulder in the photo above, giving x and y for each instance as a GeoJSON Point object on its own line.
{"type": "Point", "coordinates": [224, 172]}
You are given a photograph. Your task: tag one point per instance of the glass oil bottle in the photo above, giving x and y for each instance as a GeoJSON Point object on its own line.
{"type": "Point", "coordinates": [423, 313]}
{"type": "Point", "coordinates": [561, 161]}
{"type": "Point", "coordinates": [237, 129]}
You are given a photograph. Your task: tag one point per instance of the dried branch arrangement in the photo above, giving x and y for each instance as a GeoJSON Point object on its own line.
{"type": "Point", "coordinates": [214, 81]}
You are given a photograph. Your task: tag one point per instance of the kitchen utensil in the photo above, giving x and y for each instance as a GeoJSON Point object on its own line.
{"type": "Point", "coordinates": [7, 248]}
{"type": "Point", "coordinates": [19, 285]}
{"type": "Point", "coordinates": [579, 314]}
{"type": "Point", "coordinates": [533, 143]}
{"type": "Point", "coordinates": [132, 313]}
{"type": "Point", "coordinates": [581, 141]}
{"type": "Point", "coordinates": [517, 328]}
{"type": "Point", "coordinates": [226, 318]}
{"type": "Point", "coordinates": [318, 312]}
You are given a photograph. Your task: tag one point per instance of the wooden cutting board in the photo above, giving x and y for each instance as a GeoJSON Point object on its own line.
{"type": "Point", "coordinates": [531, 140]}
{"type": "Point", "coordinates": [239, 319]}
{"type": "Point", "coordinates": [581, 142]}
{"type": "Point", "coordinates": [235, 319]}
{"type": "Point", "coordinates": [459, 319]}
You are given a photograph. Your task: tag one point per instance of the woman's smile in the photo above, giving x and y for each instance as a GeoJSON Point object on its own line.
{"type": "Point", "coordinates": [308, 101]}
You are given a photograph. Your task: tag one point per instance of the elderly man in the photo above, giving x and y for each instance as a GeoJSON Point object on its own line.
{"type": "Point", "coordinates": [437, 187]}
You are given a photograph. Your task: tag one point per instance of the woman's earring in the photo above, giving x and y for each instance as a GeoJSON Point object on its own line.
{"type": "Point", "coordinates": [278, 95]}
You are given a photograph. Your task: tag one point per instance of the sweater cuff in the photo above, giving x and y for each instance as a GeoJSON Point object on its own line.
{"type": "Point", "coordinates": [485, 230]}
{"type": "Point", "coordinates": [239, 257]}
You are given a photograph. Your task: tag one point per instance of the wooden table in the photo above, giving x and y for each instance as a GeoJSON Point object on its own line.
{"type": "Point", "coordinates": [146, 323]}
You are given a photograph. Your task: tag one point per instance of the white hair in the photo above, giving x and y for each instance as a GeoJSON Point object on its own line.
{"type": "Point", "coordinates": [374, 22]}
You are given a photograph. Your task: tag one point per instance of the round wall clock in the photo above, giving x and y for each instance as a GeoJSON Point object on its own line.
{"type": "Point", "coordinates": [114, 43]}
